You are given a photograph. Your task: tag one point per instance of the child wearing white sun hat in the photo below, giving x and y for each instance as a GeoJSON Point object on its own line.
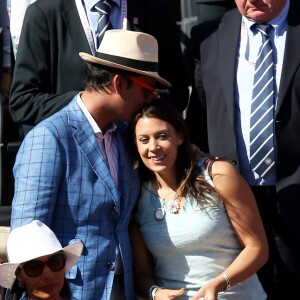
{"type": "Point", "coordinates": [30, 242]}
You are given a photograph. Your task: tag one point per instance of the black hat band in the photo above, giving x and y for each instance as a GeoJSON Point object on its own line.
{"type": "Point", "coordinates": [128, 62]}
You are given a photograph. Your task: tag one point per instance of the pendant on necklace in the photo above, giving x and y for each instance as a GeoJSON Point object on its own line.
{"type": "Point", "coordinates": [159, 214]}
{"type": "Point", "coordinates": [173, 206]}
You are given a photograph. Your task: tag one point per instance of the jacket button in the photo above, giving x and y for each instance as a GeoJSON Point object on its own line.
{"type": "Point", "coordinates": [111, 266]}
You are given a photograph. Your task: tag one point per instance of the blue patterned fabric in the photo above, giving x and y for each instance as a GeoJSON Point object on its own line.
{"type": "Point", "coordinates": [61, 178]}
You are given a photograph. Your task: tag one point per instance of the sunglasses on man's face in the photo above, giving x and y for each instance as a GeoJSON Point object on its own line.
{"type": "Point", "coordinates": [35, 267]}
{"type": "Point", "coordinates": [142, 84]}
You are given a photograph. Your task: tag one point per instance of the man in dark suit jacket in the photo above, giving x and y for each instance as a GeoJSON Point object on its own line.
{"type": "Point", "coordinates": [49, 72]}
{"type": "Point", "coordinates": [224, 71]}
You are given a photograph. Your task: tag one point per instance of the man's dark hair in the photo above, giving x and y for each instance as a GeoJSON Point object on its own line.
{"type": "Point", "coordinates": [99, 77]}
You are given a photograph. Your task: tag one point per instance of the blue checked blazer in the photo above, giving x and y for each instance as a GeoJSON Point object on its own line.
{"type": "Point", "coordinates": [61, 178]}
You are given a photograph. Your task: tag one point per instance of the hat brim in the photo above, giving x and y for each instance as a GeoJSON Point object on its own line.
{"type": "Point", "coordinates": [96, 60]}
{"type": "Point", "coordinates": [7, 274]}
{"type": "Point", "coordinates": [7, 270]}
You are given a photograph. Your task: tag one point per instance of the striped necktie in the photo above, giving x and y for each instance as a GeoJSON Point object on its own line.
{"type": "Point", "coordinates": [262, 158]}
{"type": "Point", "coordinates": [104, 7]}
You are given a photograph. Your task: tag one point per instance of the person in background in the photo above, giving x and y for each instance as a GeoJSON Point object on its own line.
{"type": "Point", "coordinates": [18, 9]}
{"type": "Point", "coordinates": [191, 13]}
{"type": "Point", "coordinates": [225, 53]}
{"type": "Point", "coordinates": [198, 233]}
{"type": "Point", "coordinates": [37, 263]}
{"type": "Point", "coordinates": [48, 74]}
{"type": "Point", "coordinates": [74, 170]}
{"type": "Point", "coordinates": [5, 52]}
{"type": "Point", "coordinates": [210, 9]}
{"type": "Point", "coordinates": [9, 132]}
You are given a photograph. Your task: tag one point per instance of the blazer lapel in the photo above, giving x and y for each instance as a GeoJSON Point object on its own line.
{"type": "Point", "coordinates": [291, 58]}
{"type": "Point", "coordinates": [73, 23]}
{"type": "Point", "coordinates": [127, 174]}
{"type": "Point", "coordinates": [86, 140]}
{"type": "Point", "coordinates": [229, 35]}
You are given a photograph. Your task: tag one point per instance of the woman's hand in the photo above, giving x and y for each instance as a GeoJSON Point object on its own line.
{"type": "Point", "coordinates": [206, 293]}
{"type": "Point", "coordinates": [210, 290]}
{"type": "Point", "coordinates": [166, 294]}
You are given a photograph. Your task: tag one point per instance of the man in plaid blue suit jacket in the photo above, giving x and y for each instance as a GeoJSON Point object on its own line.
{"type": "Point", "coordinates": [61, 174]}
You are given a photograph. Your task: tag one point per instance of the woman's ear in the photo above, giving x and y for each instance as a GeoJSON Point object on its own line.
{"type": "Point", "coordinates": [19, 276]}
{"type": "Point", "coordinates": [21, 284]}
{"type": "Point", "coordinates": [180, 138]}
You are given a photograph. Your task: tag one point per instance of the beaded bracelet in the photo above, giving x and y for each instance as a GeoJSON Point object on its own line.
{"type": "Point", "coordinates": [227, 282]}
{"type": "Point", "coordinates": [152, 291]}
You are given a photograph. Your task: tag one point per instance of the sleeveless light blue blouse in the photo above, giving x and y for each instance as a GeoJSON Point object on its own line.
{"type": "Point", "coordinates": [192, 247]}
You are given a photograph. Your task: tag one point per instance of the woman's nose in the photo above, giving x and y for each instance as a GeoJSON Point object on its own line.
{"type": "Point", "coordinates": [152, 144]}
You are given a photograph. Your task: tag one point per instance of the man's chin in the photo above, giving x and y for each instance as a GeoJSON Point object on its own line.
{"type": "Point", "coordinates": [258, 17]}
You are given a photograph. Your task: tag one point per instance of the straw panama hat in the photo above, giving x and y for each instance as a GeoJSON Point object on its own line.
{"type": "Point", "coordinates": [130, 51]}
{"type": "Point", "coordinates": [32, 241]}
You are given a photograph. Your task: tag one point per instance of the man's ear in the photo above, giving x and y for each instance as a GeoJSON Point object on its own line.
{"type": "Point", "coordinates": [118, 83]}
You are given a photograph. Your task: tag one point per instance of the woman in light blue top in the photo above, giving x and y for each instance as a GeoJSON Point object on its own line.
{"type": "Point", "coordinates": [198, 233]}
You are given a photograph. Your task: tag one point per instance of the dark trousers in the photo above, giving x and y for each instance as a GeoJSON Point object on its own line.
{"type": "Point", "coordinates": [118, 288]}
{"type": "Point", "coordinates": [280, 275]}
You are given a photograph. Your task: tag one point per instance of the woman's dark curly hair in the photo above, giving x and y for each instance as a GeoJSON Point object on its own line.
{"type": "Point", "coordinates": [189, 177]}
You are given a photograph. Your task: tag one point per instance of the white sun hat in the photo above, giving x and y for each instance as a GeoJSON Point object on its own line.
{"type": "Point", "coordinates": [31, 241]}
{"type": "Point", "coordinates": [130, 51]}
